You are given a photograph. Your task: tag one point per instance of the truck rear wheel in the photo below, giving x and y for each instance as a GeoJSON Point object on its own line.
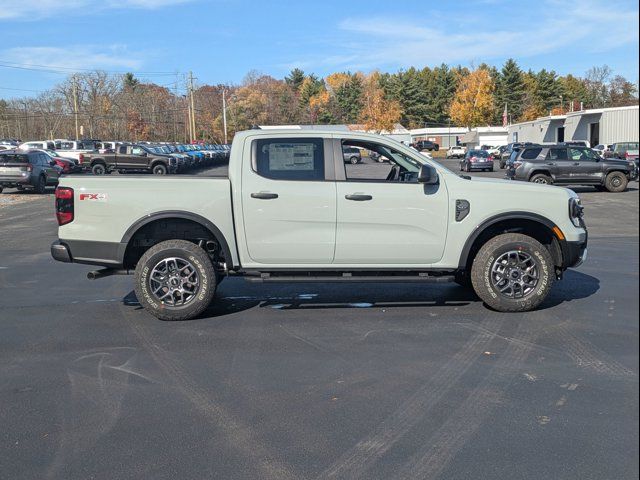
{"type": "Point", "coordinates": [541, 178]}
{"type": "Point", "coordinates": [616, 182]}
{"type": "Point", "coordinates": [512, 273]}
{"type": "Point", "coordinates": [175, 280]}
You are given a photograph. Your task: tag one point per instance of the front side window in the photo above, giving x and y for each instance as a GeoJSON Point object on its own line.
{"type": "Point", "coordinates": [583, 154]}
{"type": "Point", "coordinates": [385, 164]}
{"type": "Point", "coordinates": [136, 151]}
{"type": "Point", "coordinates": [290, 159]}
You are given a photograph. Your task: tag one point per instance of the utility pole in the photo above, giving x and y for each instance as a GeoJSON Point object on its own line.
{"type": "Point", "coordinates": [224, 114]}
{"type": "Point", "coordinates": [75, 106]}
{"type": "Point", "coordinates": [193, 109]}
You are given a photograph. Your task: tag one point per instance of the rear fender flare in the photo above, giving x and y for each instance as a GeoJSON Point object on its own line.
{"type": "Point", "coordinates": [138, 224]}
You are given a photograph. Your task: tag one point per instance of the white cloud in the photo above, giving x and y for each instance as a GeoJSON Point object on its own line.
{"type": "Point", "coordinates": [38, 9]}
{"type": "Point", "coordinates": [555, 25]}
{"type": "Point", "coordinates": [79, 57]}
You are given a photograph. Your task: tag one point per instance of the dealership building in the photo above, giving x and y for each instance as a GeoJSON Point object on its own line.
{"type": "Point", "coordinates": [596, 126]}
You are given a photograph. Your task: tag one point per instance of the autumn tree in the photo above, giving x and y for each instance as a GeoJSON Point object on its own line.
{"type": "Point", "coordinates": [378, 113]}
{"type": "Point", "coordinates": [473, 103]}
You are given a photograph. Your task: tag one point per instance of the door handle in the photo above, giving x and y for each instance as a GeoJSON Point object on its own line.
{"type": "Point", "coordinates": [550, 163]}
{"type": "Point", "coordinates": [264, 195]}
{"type": "Point", "coordinates": [357, 197]}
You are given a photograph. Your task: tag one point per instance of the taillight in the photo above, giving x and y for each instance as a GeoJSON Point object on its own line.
{"type": "Point", "coordinates": [473, 159]}
{"type": "Point", "coordinates": [64, 205]}
{"type": "Point", "coordinates": [626, 155]}
{"type": "Point", "coordinates": [29, 168]}
{"type": "Point", "coordinates": [81, 158]}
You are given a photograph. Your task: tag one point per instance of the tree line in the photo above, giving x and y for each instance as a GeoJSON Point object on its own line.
{"type": "Point", "coordinates": [122, 107]}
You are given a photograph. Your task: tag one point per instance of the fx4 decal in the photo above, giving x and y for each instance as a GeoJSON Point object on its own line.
{"type": "Point", "coordinates": [96, 197]}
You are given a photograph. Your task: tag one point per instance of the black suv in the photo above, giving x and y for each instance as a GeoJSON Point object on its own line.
{"type": "Point", "coordinates": [426, 145]}
{"type": "Point", "coordinates": [570, 165]}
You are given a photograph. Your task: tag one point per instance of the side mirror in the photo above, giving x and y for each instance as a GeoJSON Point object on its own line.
{"type": "Point", "coordinates": [428, 175]}
{"type": "Point", "coordinates": [52, 163]}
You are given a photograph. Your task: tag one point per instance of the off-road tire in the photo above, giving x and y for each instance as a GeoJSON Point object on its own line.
{"type": "Point", "coordinates": [542, 179]}
{"type": "Point", "coordinates": [41, 184]}
{"type": "Point", "coordinates": [184, 250]}
{"type": "Point", "coordinates": [99, 169]}
{"type": "Point", "coordinates": [159, 169]}
{"type": "Point", "coordinates": [616, 182]}
{"type": "Point", "coordinates": [492, 250]}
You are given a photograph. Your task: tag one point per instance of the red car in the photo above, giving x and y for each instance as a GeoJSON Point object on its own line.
{"type": "Point", "coordinates": [68, 165]}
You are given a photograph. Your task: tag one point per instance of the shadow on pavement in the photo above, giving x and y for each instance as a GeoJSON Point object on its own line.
{"type": "Point", "coordinates": [575, 286]}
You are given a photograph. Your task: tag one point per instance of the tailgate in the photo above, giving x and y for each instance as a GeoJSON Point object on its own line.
{"type": "Point", "coordinates": [10, 170]}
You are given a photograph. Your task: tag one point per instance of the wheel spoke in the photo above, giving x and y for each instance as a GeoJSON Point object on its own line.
{"type": "Point", "coordinates": [174, 281]}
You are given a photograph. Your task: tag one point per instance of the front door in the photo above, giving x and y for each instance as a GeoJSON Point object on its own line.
{"type": "Point", "coordinates": [384, 215]}
{"type": "Point", "coordinates": [586, 166]}
{"type": "Point", "coordinates": [288, 208]}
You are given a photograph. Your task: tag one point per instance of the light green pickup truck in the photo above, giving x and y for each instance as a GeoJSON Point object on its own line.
{"type": "Point", "coordinates": [291, 210]}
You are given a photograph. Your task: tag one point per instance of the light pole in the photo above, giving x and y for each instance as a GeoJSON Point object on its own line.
{"type": "Point", "coordinates": [224, 114]}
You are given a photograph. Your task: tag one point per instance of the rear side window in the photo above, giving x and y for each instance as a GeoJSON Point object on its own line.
{"type": "Point", "coordinates": [530, 153]}
{"type": "Point", "coordinates": [290, 159]}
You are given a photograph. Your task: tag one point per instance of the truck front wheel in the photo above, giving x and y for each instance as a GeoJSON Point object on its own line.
{"type": "Point", "coordinates": [159, 169]}
{"type": "Point", "coordinates": [512, 273]}
{"type": "Point", "coordinates": [175, 280]}
{"type": "Point", "coordinates": [616, 182]}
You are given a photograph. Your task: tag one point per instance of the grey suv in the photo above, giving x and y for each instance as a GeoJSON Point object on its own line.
{"type": "Point", "coordinates": [351, 155]}
{"type": "Point", "coordinates": [570, 165]}
{"type": "Point", "coordinates": [27, 169]}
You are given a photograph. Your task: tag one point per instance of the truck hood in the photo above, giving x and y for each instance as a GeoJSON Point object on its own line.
{"type": "Point", "coordinates": [515, 186]}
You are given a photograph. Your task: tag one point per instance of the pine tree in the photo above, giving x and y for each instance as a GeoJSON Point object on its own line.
{"type": "Point", "coordinates": [295, 79]}
{"type": "Point", "coordinates": [510, 89]}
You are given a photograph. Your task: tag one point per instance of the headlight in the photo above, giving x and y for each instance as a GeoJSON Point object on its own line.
{"type": "Point", "coordinates": [576, 211]}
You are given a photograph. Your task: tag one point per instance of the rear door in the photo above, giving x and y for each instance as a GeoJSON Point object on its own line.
{"type": "Point", "coordinates": [558, 164]}
{"type": "Point", "coordinates": [289, 200]}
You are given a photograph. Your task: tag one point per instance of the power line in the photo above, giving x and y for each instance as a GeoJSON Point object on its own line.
{"type": "Point", "coordinates": [66, 70]}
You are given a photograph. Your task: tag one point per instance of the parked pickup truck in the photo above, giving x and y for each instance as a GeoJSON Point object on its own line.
{"type": "Point", "coordinates": [75, 149]}
{"type": "Point", "coordinates": [130, 157]}
{"type": "Point", "coordinates": [290, 211]}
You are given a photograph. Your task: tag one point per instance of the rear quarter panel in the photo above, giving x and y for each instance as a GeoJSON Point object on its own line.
{"type": "Point", "coordinates": [121, 201]}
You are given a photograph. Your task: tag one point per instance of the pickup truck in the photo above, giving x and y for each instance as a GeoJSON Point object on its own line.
{"type": "Point", "coordinates": [290, 210]}
{"type": "Point", "coordinates": [74, 149]}
{"type": "Point", "coordinates": [130, 157]}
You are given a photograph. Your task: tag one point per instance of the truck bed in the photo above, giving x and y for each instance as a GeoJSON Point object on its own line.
{"type": "Point", "coordinates": [107, 208]}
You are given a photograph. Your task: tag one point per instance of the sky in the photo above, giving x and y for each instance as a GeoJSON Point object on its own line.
{"type": "Point", "coordinates": [42, 41]}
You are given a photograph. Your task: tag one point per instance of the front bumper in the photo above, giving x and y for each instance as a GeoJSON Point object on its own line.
{"type": "Point", "coordinates": [574, 254]}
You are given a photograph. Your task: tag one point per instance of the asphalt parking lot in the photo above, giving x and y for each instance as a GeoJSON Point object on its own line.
{"type": "Point", "coordinates": [318, 381]}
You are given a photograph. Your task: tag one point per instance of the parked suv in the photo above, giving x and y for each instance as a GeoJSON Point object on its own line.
{"type": "Point", "coordinates": [27, 169]}
{"type": "Point", "coordinates": [351, 155]}
{"type": "Point", "coordinates": [477, 160]}
{"type": "Point", "coordinates": [570, 165]}
{"type": "Point", "coordinates": [426, 145]}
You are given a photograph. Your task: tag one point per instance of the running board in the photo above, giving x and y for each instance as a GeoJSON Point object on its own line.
{"type": "Point", "coordinates": [348, 277]}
